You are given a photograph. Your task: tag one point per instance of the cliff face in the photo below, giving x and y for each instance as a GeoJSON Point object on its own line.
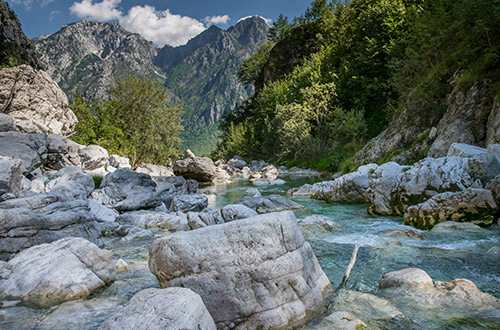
{"type": "Point", "coordinates": [472, 116]}
{"type": "Point", "coordinates": [202, 75]}
{"type": "Point", "coordinates": [88, 56]}
{"type": "Point", "coordinates": [15, 47]}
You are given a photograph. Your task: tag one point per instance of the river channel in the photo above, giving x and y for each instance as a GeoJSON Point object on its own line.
{"type": "Point", "coordinates": [445, 255]}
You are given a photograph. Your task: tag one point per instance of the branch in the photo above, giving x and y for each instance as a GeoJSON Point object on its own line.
{"type": "Point", "coordinates": [349, 268]}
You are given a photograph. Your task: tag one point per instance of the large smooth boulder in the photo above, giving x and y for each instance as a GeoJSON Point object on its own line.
{"type": "Point", "coordinates": [472, 205]}
{"type": "Point", "coordinates": [152, 219]}
{"type": "Point", "coordinates": [271, 203]}
{"type": "Point", "coordinates": [11, 175]}
{"type": "Point", "coordinates": [430, 177]}
{"type": "Point", "coordinates": [37, 104]}
{"type": "Point", "coordinates": [168, 187]}
{"type": "Point", "coordinates": [124, 190]}
{"type": "Point", "coordinates": [158, 309]}
{"type": "Point", "coordinates": [43, 218]}
{"type": "Point", "coordinates": [93, 157]}
{"type": "Point", "coordinates": [49, 274]}
{"type": "Point", "coordinates": [201, 169]}
{"type": "Point", "coordinates": [256, 273]}
{"type": "Point", "coordinates": [350, 187]}
{"type": "Point", "coordinates": [384, 181]}
{"type": "Point", "coordinates": [30, 148]}
{"type": "Point", "coordinates": [415, 287]}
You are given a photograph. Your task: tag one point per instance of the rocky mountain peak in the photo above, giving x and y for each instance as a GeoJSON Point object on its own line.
{"type": "Point", "coordinates": [250, 30]}
{"type": "Point", "coordinates": [87, 56]}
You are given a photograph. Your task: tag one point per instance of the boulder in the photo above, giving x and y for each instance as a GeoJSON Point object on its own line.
{"type": "Point", "coordinates": [453, 225]}
{"type": "Point", "coordinates": [38, 105]}
{"type": "Point", "coordinates": [408, 278]}
{"type": "Point", "coordinates": [102, 213]}
{"type": "Point", "coordinates": [11, 175]}
{"type": "Point", "coordinates": [211, 217]}
{"type": "Point", "coordinates": [49, 274]}
{"type": "Point", "coordinates": [270, 172]}
{"type": "Point", "coordinates": [494, 187]}
{"type": "Point", "coordinates": [43, 218]}
{"type": "Point", "coordinates": [430, 177]}
{"type": "Point", "coordinates": [93, 157]}
{"type": "Point", "coordinates": [267, 182]}
{"type": "Point", "coordinates": [29, 148]}
{"type": "Point", "coordinates": [472, 205]}
{"type": "Point", "coordinates": [152, 219]}
{"type": "Point", "coordinates": [124, 190]}
{"type": "Point", "coordinates": [415, 287]}
{"type": "Point", "coordinates": [118, 162]}
{"type": "Point", "coordinates": [307, 189]}
{"type": "Point", "coordinates": [384, 182]}
{"type": "Point", "coordinates": [167, 187]}
{"type": "Point", "coordinates": [221, 176]}
{"type": "Point", "coordinates": [237, 162]}
{"type": "Point", "coordinates": [484, 167]}
{"type": "Point", "coordinates": [157, 309]}
{"type": "Point", "coordinates": [318, 223]}
{"type": "Point", "coordinates": [155, 170]}
{"type": "Point", "coordinates": [201, 169]}
{"type": "Point", "coordinates": [61, 152]}
{"type": "Point", "coordinates": [401, 233]}
{"type": "Point", "coordinates": [271, 203]}
{"type": "Point", "coordinates": [465, 150]}
{"type": "Point", "coordinates": [70, 174]}
{"type": "Point", "coordinates": [189, 203]}
{"type": "Point", "coordinates": [350, 187]}
{"type": "Point", "coordinates": [253, 273]}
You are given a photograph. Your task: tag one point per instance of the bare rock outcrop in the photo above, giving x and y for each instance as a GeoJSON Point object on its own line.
{"type": "Point", "coordinates": [35, 101]}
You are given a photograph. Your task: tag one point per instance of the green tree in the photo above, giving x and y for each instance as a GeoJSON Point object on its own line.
{"type": "Point", "coordinates": [135, 121]}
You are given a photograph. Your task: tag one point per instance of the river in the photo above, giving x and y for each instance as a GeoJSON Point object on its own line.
{"type": "Point", "coordinates": [444, 254]}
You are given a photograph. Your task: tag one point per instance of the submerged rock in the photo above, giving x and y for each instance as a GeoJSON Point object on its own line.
{"type": "Point", "coordinates": [340, 321]}
{"type": "Point", "coordinates": [49, 274]}
{"type": "Point", "coordinates": [472, 205]}
{"type": "Point", "coordinates": [253, 273]}
{"type": "Point", "coordinates": [151, 219]}
{"type": "Point", "coordinates": [158, 309]}
{"type": "Point", "coordinates": [271, 203]}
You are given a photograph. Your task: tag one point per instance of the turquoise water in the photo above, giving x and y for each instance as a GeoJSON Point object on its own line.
{"type": "Point", "coordinates": [444, 255]}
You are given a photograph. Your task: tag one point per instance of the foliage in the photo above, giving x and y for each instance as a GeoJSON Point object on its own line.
{"type": "Point", "coordinates": [323, 90]}
{"type": "Point", "coordinates": [134, 122]}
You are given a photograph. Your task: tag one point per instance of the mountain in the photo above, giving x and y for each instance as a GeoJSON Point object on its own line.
{"type": "Point", "coordinates": [201, 75]}
{"type": "Point", "coordinates": [15, 47]}
{"type": "Point", "coordinates": [87, 56]}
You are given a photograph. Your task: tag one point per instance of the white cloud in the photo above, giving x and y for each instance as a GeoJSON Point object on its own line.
{"type": "Point", "coordinates": [28, 4]}
{"type": "Point", "coordinates": [53, 14]}
{"type": "Point", "coordinates": [220, 19]}
{"type": "Point", "coordinates": [161, 27]}
{"type": "Point", "coordinates": [267, 20]}
{"type": "Point", "coordinates": [101, 12]}
{"type": "Point", "coordinates": [46, 3]}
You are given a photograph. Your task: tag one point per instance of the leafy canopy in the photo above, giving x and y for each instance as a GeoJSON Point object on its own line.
{"type": "Point", "coordinates": [135, 121]}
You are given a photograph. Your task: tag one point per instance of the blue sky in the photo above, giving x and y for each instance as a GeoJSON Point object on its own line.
{"type": "Point", "coordinates": [170, 22]}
